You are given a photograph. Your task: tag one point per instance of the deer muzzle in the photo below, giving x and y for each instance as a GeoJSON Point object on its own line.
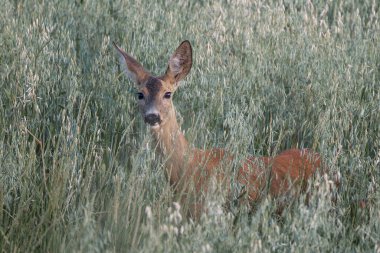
{"type": "Point", "coordinates": [152, 119]}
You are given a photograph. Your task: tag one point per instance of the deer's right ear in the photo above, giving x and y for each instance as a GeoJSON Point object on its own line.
{"type": "Point", "coordinates": [132, 68]}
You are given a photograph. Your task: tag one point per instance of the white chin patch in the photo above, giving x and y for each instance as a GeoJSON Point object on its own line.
{"type": "Point", "coordinates": [155, 126]}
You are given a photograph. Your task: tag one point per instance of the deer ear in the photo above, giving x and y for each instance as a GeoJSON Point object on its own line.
{"type": "Point", "coordinates": [132, 68]}
{"type": "Point", "coordinates": [180, 63]}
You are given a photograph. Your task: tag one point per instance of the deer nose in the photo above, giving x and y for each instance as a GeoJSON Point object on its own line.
{"type": "Point", "coordinates": [152, 119]}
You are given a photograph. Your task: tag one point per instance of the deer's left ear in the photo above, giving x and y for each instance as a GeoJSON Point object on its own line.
{"type": "Point", "coordinates": [180, 63]}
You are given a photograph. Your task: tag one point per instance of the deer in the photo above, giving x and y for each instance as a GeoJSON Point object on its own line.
{"type": "Point", "coordinates": [191, 170]}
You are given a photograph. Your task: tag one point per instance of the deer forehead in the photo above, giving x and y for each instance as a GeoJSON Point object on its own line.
{"type": "Point", "coordinates": [154, 85]}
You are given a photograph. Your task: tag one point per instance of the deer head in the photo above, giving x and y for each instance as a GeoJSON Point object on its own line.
{"type": "Point", "coordinates": [155, 92]}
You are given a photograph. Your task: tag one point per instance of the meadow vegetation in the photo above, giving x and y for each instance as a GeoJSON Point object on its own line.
{"type": "Point", "coordinates": [77, 173]}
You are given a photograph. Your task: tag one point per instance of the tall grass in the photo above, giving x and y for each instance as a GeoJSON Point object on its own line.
{"type": "Point", "coordinates": [78, 173]}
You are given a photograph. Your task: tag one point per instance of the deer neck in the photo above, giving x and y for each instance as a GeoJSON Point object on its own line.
{"type": "Point", "coordinates": [172, 145]}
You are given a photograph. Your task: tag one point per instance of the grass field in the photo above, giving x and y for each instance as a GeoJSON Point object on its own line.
{"type": "Point", "coordinates": [78, 173]}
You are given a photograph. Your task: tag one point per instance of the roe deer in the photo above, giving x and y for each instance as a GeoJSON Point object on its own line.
{"type": "Point", "coordinates": [190, 170]}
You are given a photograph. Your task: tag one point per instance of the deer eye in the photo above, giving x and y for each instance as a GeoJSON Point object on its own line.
{"type": "Point", "coordinates": [168, 95]}
{"type": "Point", "coordinates": [140, 96]}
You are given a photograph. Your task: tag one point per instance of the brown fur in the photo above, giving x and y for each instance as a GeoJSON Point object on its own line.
{"type": "Point", "coordinates": [190, 170]}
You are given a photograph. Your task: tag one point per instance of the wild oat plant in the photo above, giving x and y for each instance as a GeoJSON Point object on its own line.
{"type": "Point", "coordinates": [78, 173]}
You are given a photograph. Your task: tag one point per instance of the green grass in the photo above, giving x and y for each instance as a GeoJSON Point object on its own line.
{"type": "Point", "coordinates": [77, 171]}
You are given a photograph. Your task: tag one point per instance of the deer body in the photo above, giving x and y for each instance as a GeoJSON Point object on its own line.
{"type": "Point", "coordinates": [190, 170]}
